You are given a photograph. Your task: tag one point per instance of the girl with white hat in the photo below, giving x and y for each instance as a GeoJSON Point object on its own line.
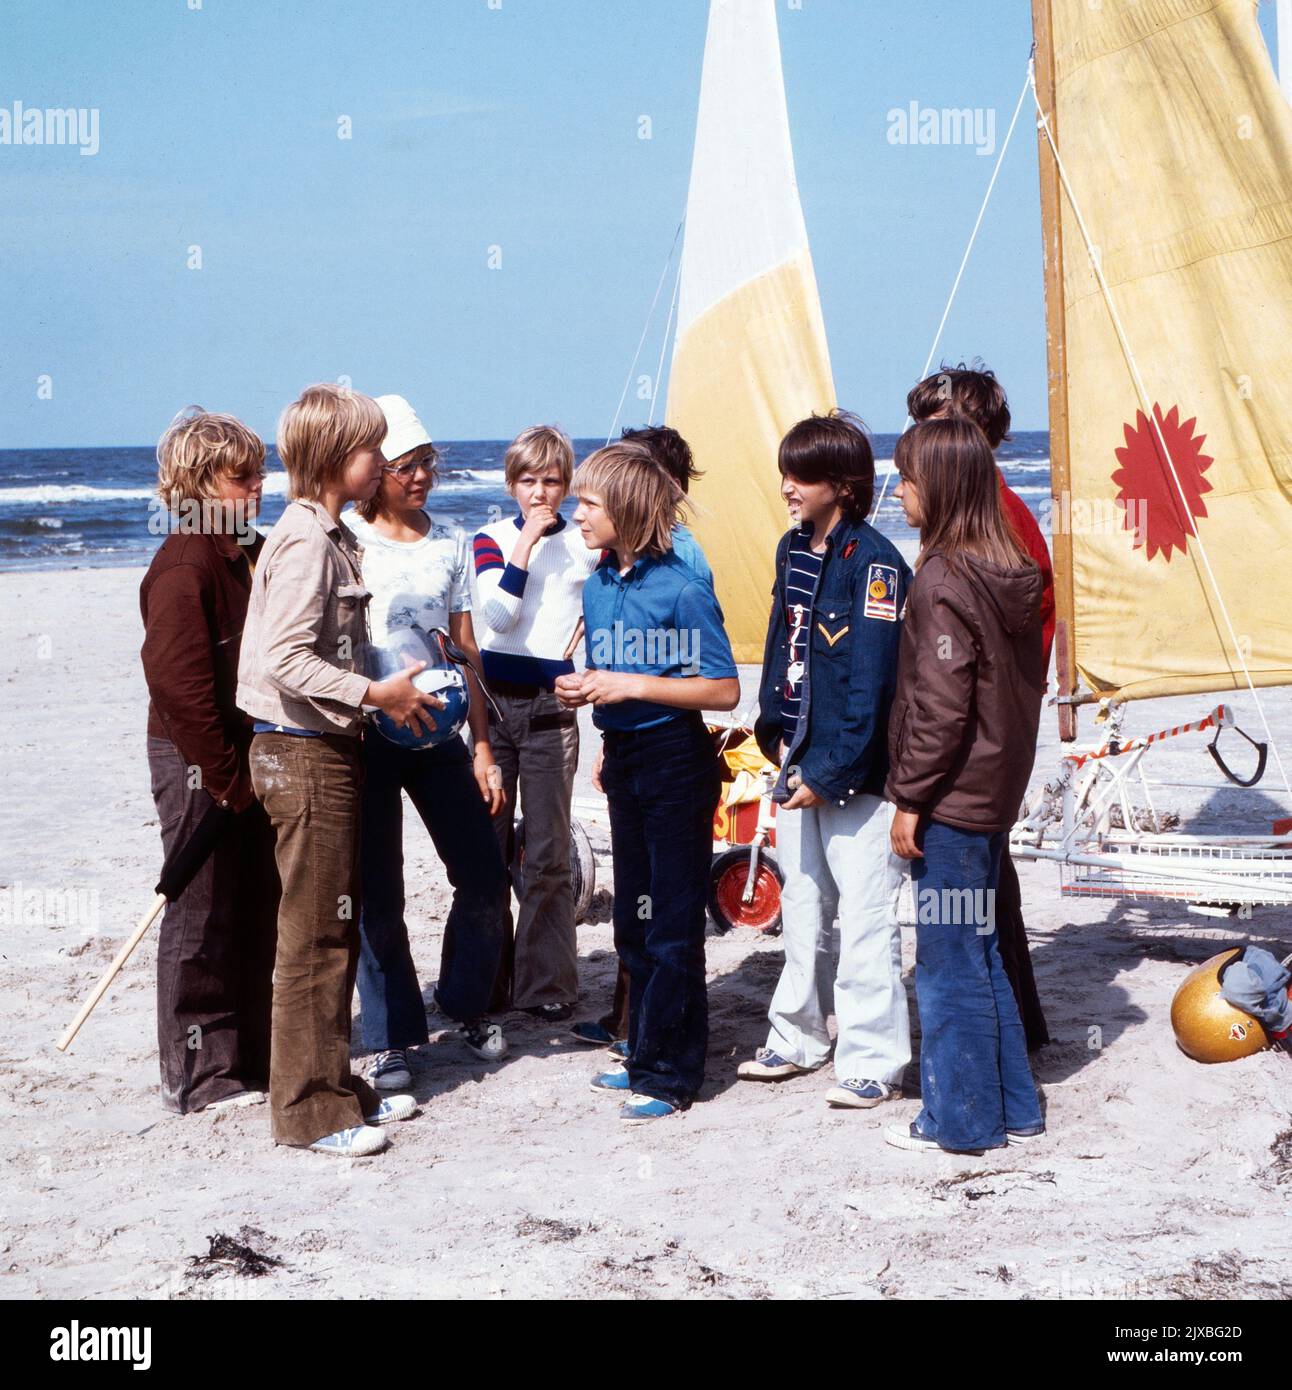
{"type": "Point", "coordinates": [417, 570]}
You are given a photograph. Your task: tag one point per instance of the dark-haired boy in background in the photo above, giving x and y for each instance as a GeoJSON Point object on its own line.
{"type": "Point", "coordinates": [673, 454]}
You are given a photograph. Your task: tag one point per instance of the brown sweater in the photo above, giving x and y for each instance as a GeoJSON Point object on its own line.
{"type": "Point", "coordinates": [194, 604]}
{"type": "Point", "coordinates": [970, 679]}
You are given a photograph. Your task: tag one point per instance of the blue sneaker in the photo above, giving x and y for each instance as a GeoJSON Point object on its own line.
{"type": "Point", "coordinates": [360, 1142]}
{"type": "Point", "coordinates": [766, 1065]}
{"type": "Point", "coordinates": [590, 1032]}
{"type": "Point", "coordinates": [641, 1108]}
{"type": "Point", "coordinates": [392, 1108]}
{"type": "Point", "coordinates": [390, 1071]}
{"type": "Point", "coordinates": [861, 1095]}
{"type": "Point", "coordinates": [620, 1048]}
{"type": "Point", "coordinates": [616, 1079]}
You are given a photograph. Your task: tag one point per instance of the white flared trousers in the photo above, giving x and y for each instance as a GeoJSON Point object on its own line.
{"type": "Point", "coordinates": [838, 862]}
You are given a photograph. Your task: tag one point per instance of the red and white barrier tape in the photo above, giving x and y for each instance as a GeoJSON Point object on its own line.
{"type": "Point", "coordinates": [1222, 717]}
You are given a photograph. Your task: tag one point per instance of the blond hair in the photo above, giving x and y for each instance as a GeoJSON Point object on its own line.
{"type": "Point", "coordinates": [536, 450]}
{"type": "Point", "coordinates": [319, 432]}
{"type": "Point", "coordinates": [198, 449]}
{"type": "Point", "coordinates": [642, 501]}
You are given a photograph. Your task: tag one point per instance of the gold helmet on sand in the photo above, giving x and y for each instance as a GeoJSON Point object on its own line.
{"type": "Point", "coordinates": [1207, 1026]}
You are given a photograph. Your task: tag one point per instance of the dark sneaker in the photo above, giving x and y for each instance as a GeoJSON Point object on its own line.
{"type": "Point", "coordinates": [767, 1065]}
{"type": "Point", "coordinates": [592, 1032]}
{"type": "Point", "coordinates": [485, 1039]}
{"type": "Point", "coordinates": [389, 1071]}
{"type": "Point", "coordinates": [551, 1013]}
{"type": "Point", "coordinates": [861, 1095]}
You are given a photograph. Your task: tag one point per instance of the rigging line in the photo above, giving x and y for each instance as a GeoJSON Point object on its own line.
{"type": "Point", "coordinates": [1148, 408]}
{"type": "Point", "coordinates": [663, 347]}
{"type": "Point", "coordinates": [964, 261]}
{"type": "Point", "coordinates": [650, 314]}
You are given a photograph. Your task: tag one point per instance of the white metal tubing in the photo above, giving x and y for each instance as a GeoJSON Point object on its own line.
{"type": "Point", "coordinates": [1153, 866]}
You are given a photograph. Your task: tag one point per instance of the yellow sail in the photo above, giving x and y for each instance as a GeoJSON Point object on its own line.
{"type": "Point", "coordinates": [750, 355]}
{"type": "Point", "coordinates": [1177, 147]}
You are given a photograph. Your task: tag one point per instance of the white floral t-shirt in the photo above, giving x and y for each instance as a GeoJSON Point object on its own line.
{"type": "Point", "coordinates": [413, 583]}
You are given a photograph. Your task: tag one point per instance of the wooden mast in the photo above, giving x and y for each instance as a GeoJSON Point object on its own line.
{"type": "Point", "coordinates": [1057, 371]}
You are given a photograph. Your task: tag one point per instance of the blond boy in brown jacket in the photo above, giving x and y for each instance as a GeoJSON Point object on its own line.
{"type": "Point", "coordinates": [298, 679]}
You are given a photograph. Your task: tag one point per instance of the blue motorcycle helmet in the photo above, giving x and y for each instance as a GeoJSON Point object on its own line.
{"type": "Point", "coordinates": [444, 677]}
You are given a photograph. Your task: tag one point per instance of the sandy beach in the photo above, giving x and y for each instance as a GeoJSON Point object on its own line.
{"type": "Point", "coordinates": [1159, 1177]}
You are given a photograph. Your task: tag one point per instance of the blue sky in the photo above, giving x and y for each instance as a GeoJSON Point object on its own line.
{"type": "Point", "coordinates": [474, 124]}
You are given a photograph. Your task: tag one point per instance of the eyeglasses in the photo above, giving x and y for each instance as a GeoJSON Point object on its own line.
{"type": "Point", "coordinates": [404, 472]}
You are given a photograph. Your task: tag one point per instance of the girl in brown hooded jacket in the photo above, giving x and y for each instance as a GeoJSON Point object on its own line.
{"type": "Point", "coordinates": [962, 739]}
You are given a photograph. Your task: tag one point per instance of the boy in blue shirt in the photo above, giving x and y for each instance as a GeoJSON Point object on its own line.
{"type": "Point", "coordinates": [673, 454]}
{"type": "Point", "coordinates": [657, 655]}
{"type": "Point", "coordinates": [829, 674]}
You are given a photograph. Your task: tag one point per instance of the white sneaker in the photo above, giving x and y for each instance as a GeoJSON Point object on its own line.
{"type": "Point", "coordinates": [236, 1101]}
{"type": "Point", "coordinates": [908, 1137]}
{"type": "Point", "coordinates": [389, 1070]}
{"type": "Point", "coordinates": [360, 1142]}
{"type": "Point", "coordinates": [392, 1108]}
{"type": "Point", "coordinates": [1020, 1136]}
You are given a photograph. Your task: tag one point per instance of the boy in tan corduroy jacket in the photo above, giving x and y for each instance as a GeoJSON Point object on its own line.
{"type": "Point", "coordinates": [303, 640]}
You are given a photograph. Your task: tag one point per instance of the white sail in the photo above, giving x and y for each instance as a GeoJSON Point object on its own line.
{"type": "Point", "coordinates": [750, 356]}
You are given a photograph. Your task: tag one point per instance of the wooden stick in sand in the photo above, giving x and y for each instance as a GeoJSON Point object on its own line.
{"type": "Point", "coordinates": [177, 873]}
{"type": "Point", "coordinates": [112, 971]}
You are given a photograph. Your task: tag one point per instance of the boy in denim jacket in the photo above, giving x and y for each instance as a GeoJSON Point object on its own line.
{"type": "Point", "coordinates": [829, 672]}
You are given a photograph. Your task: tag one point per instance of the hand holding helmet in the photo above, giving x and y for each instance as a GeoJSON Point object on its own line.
{"type": "Point", "coordinates": [399, 698]}
{"type": "Point", "coordinates": [418, 687]}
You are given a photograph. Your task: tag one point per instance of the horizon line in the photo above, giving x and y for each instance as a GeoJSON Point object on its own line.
{"type": "Point", "coordinates": [443, 439]}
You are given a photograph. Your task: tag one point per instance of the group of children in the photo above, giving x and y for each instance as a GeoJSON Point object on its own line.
{"type": "Point", "coordinates": [901, 709]}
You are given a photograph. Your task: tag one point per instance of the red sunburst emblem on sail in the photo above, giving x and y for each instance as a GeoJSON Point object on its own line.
{"type": "Point", "coordinates": [1148, 493]}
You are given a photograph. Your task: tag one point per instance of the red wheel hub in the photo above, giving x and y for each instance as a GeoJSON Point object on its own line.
{"type": "Point", "coordinates": [760, 913]}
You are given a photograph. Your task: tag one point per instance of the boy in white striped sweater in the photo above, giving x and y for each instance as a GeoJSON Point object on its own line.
{"type": "Point", "coordinates": [529, 576]}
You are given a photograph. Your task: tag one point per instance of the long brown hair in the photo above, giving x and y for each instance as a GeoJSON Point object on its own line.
{"type": "Point", "coordinates": [951, 465]}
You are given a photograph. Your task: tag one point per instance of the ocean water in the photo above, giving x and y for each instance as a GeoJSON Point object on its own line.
{"type": "Point", "coordinates": [77, 508]}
